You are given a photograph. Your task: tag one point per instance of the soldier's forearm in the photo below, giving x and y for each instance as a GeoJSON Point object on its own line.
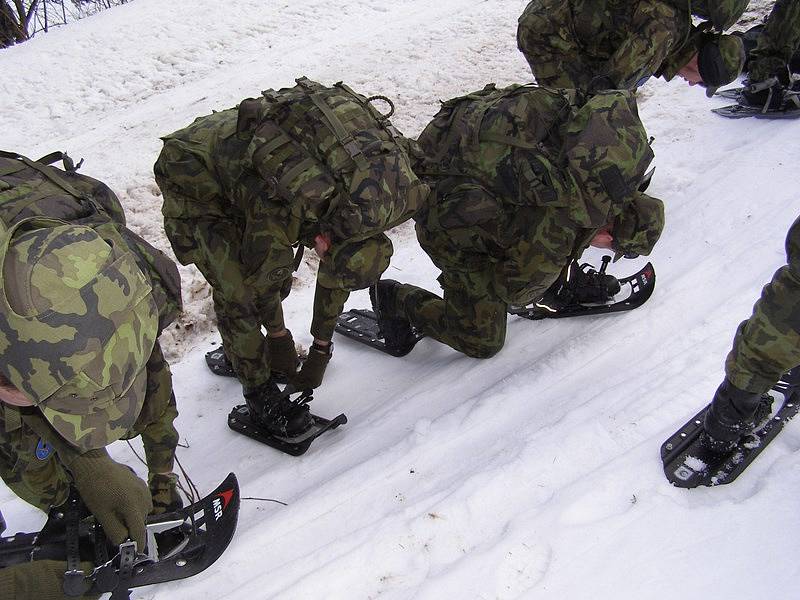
{"type": "Point", "coordinates": [328, 305]}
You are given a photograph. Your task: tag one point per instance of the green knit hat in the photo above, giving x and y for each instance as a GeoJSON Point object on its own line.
{"type": "Point", "coordinates": [720, 61]}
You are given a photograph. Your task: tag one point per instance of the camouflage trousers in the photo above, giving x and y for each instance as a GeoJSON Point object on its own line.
{"type": "Point", "coordinates": [470, 318]}
{"type": "Point", "coordinates": [768, 343]}
{"type": "Point", "coordinates": [31, 468]}
{"type": "Point", "coordinates": [778, 41]}
{"type": "Point", "coordinates": [202, 233]}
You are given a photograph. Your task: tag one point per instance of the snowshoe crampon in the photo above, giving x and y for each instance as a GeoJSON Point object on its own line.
{"type": "Point", "coordinates": [179, 544]}
{"type": "Point", "coordinates": [689, 463]}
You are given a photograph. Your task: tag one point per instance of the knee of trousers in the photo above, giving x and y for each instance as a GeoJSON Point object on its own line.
{"type": "Point", "coordinates": [478, 348]}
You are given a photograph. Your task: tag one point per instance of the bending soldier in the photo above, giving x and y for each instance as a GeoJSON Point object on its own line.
{"type": "Point", "coordinates": [524, 180]}
{"type": "Point", "coordinates": [309, 166]}
{"type": "Point", "coordinates": [82, 303]}
{"type": "Point", "coordinates": [766, 346]}
{"type": "Point", "coordinates": [619, 45]}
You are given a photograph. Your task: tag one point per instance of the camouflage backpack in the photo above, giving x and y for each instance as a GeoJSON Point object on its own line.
{"type": "Point", "coordinates": [521, 144]}
{"type": "Point", "coordinates": [31, 188]}
{"type": "Point", "coordinates": [331, 154]}
{"type": "Point", "coordinates": [503, 138]}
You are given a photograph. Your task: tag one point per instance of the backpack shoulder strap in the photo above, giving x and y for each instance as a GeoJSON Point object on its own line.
{"type": "Point", "coordinates": [50, 173]}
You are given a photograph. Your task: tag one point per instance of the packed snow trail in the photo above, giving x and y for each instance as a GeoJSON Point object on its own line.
{"type": "Point", "coordinates": [531, 475]}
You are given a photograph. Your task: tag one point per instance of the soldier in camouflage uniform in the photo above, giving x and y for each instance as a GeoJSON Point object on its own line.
{"type": "Point", "coordinates": [609, 44]}
{"type": "Point", "coordinates": [774, 56]}
{"type": "Point", "coordinates": [311, 166]}
{"type": "Point", "coordinates": [766, 345]}
{"type": "Point", "coordinates": [525, 179]}
{"type": "Point", "coordinates": [82, 302]}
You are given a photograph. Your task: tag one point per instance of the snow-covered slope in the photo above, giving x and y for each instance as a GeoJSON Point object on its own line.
{"type": "Point", "coordinates": [532, 475]}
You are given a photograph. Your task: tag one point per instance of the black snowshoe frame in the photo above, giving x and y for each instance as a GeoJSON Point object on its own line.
{"type": "Point", "coordinates": [790, 108]}
{"type": "Point", "coordinates": [239, 420]}
{"type": "Point", "coordinates": [640, 287]}
{"type": "Point", "coordinates": [179, 544]}
{"type": "Point", "coordinates": [688, 464]}
{"type": "Point", "coordinates": [362, 326]}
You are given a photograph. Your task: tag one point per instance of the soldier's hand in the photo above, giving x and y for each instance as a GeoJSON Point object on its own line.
{"type": "Point", "coordinates": [118, 499]}
{"type": "Point", "coordinates": [283, 354]}
{"type": "Point", "coordinates": [310, 375]}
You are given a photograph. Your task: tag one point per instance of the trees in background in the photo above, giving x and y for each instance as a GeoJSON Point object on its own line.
{"type": "Point", "coordinates": [22, 19]}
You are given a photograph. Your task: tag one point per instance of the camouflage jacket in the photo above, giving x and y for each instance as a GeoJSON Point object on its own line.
{"type": "Point", "coordinates": [607, 45]}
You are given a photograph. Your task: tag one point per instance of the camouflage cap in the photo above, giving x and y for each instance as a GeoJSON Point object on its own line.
{"type": "Point", "coordinates": [607, 153]}
{"type": "Point", "coordinates": [638, 227]}
{"type": "Point", "coordinates": [77, 326]}
{"type": "Point", "coordinates": [720, 61]}
{"type": "Point", "coordinates": [721, 13]}
{"type": "Point", "coordinates": [357, 265]}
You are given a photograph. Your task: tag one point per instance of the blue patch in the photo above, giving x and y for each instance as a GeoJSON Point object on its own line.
{"type": "Point", "coordinates": [43, 450]}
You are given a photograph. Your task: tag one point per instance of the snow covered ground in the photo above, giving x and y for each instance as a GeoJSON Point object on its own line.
{"type": "Point", "coordinates": [532, 475]}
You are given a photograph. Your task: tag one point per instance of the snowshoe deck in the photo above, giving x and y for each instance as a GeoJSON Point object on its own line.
{"type": "Point", "coordinates": [179, 544]}
{"type": "Point", "coordinates": [219, 363]}
{"type": "Point", "coordinates": [740, 111]}
{"type": "Point", "coordinates": [239, 420]}
{"type": "Point", "coordinates": [640, 287]}
{"type": "Point", "coordinates": [362, 326]}
{"type": "Point", "coordinates": [689, 464]}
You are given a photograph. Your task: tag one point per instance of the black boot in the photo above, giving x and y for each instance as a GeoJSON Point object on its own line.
{"type": "Point", "coordinates": [582, 285]}
{"type": "Point", "coordinates": [273, 410]}
{"type": "Point", "coordinates": [767, 95]}
{"type": "Point", "coordinates": [397, 332]}
{"type": "Point", "coordinates": [594, 287]}
{"type": "Point", "coordinates": [733, 414]}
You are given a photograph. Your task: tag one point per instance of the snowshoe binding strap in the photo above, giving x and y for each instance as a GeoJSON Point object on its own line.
{"type": "Point", "coordinates": [75, 580]}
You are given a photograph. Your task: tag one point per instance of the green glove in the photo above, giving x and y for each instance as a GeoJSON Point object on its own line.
{"type": "Point", "coordinates": [40, 579]}
{"type": "Point", "coordinates": [113, 493]}
{"type": "Point", "coordinates": [283, 354]}
{"type": "Point", "coordinates": [310, 375]}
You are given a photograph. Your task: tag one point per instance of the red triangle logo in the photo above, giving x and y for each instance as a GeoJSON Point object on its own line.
{"type": "Point", "coordinates": [226, 498]}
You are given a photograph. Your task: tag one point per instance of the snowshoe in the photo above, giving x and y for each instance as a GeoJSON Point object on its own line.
{"type": "Point", "coordinates": [242, 421]}
{"type": "Point", "coordinates": [589, 292]}
{"type": "Point", "coordinates": [179, 544]}
{"type": "Point", "coordinates": [690, 459]}
{"type": "Point", "coordinates": [768, 99]}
